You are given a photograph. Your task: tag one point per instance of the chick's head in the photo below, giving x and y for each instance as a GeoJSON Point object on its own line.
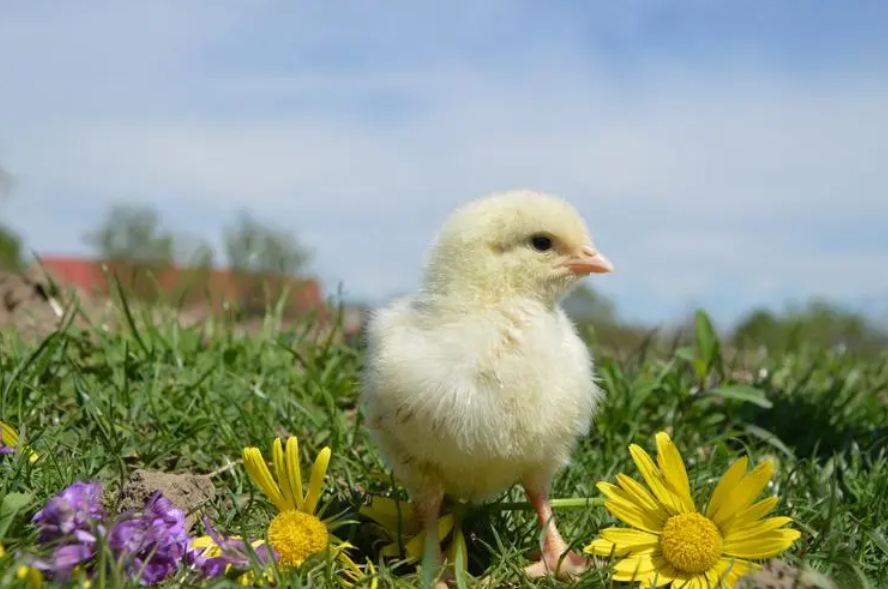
{"type": "Point", "coordinates": [512, 244]}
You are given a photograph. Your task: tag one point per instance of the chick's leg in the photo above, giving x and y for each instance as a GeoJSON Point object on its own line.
{"type": "Point", "coordinates": [428, 505]}
{"type": "Point", "coordinates": [556, 554]}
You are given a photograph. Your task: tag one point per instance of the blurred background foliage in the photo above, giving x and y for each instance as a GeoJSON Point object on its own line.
{"type": "Point", "coordinates": [138, 248]}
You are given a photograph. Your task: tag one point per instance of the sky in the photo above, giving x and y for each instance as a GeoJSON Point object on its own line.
{"type": "Point", "coordinates": [724, 154]}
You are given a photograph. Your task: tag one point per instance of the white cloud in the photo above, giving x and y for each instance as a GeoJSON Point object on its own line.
{"type": "Point", "coordinates": [668, 162]}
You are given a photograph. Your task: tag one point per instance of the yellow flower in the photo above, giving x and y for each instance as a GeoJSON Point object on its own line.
{"type": "Point", "coordinates": [33, 577]}
{"type": "Point", "coordinates": [210, 549]}
{"type": "Point", "coordinates": [9, 438]}
{"type": "Point", "coordinates": [671, 542]}
{"type": "Point", "coordinates": [398, 519]}
{"type": "Point", "coordinates": [354, 573]}
{"type": "Point", "coordinates": [297, 532]}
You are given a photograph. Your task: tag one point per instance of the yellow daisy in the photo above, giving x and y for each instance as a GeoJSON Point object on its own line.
{"type": "Point", "coordinates": [671, 542]}
{"type": "Point", "coordinates": [296, 533]}
{"type": "Point", "coordinates": [399, 519]}
{"type": "Point", "coordinates": [9, 439]}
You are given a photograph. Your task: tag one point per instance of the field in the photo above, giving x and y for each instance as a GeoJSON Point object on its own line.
{"type": "Point", "coordinates": [102, 406]}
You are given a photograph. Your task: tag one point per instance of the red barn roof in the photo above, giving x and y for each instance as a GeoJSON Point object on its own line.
{"type": "Point", "coordinates": [214, 286]}
{"type": "Point", "coordinates": [84, 274]}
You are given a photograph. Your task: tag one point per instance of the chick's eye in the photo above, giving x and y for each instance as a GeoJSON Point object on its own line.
{"type": "Point", "coordinates": [541, 243]}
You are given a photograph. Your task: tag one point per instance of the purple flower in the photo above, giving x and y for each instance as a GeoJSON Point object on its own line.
{"type": "Point", "coordinates": [64, 559]}
{"type": "Point", "coordinates": [75, 513]}
{"type": "Point", "coordinates": [231, 552]}
{"type": "Point", "coordinates": [152, 544]}
{"type": "Point", "coordinates": [72, 520]}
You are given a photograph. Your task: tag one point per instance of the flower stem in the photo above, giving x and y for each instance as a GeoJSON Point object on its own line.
{"type": "Point", "coordinates": [565, 503]}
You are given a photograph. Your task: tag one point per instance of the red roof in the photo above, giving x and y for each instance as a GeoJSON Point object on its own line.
{"type": "Point", "coordinates": [213, 285]}
{"type": "Point", "coordinates": [84, 274]}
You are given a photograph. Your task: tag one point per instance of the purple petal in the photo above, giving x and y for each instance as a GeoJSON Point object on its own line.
{"type": "Point", "coordinates": [77, 508]}
{"type": "Point", "coordinates": [84, 536]}
{"type": "Point", "coordinates": [234, 553]}
{"type": "Point", "coordinates": [153, 544]}
{"type": "Point", "coordinates": [64, 559]}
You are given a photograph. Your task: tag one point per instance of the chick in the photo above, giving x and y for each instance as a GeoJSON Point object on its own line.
{"type": "Point", "coordinates": [479, 381]}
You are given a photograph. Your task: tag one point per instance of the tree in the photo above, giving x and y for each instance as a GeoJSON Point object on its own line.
{"type": "Point", "coordinates": [759, 327]}
{"type": "Point", "coordinates": [266, 258]}
{"type": "Point", "coordinates": [132, 241]}
{"type": "Point", "coordinates": [132, 233]}
{"type": "Point", "coordinates": [11, 258]}
{"type": "Point", "coordinates": [819, 325]}
{"type": "Point", "coordinates": [256, 247]}
{"type": "Point", "coordinates": [193, 252]}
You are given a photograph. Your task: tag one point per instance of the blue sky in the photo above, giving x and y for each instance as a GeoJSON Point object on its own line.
{"type": "Point", "coordinates": [724, 154]}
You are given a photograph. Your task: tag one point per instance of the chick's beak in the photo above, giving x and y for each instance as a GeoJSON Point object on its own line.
{"type": "Point", "coordinates": [590, 261]}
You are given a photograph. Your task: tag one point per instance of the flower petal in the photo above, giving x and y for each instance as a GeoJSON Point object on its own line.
{"type": "Point", "coordinates": [764, 545]}
{"type": "Point", "coordinates": [355, 574]}
{"type": "Point", "coordinates": [258, 471]}
{"type": "Point", "coordinates": [674, 472]}
{"type": "Point", "coordinates": [392, 515]}
{"type": "Point", "coordinates": [717, 574]}
{"type": "Point", "coordinates": [634, 516]}
{"type": "Point", "coordinates": [8, 435]}
{"type": "Point", "coordinates": [634, 568]}
{"type": "Point", "coordinates": [294, 471]}
{"type": "Point", "coordinates": [457, 548]}
{"type": "Point", "coordinates": [756, 528]}
{"type": "Point", "coordinates": [316, 480]}
{"type": "Point", "coordinates": [653, 519]}
{"type": "Point", "coordinates": [729, 480]}
{"type": "Point", "coordinates": [736, 569]}
{"type": "Point", "coordinates": [33, 577]}
{"type": "Point", "coordinates": [627, 539]}
{"type": "Point", "coordinates": [280, 469]}
{"type": "Point", "coordinates": [751, 514]}
{"type": "Point", "coordinates": [415, 547]}
{"type": "Point", "coordinates": [639, 495]}
{"type": "Point", "coordinates": [666, 573]}
{"type": "Point", "coordinates": [744, 493]}
{"type": "Point", "coordinates": [654, 478]}
{"type": "Point", "coordinates": [601, 547]}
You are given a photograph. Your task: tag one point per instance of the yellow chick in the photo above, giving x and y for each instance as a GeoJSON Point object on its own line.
{"type": "Point", "coordinates": [479, 381]}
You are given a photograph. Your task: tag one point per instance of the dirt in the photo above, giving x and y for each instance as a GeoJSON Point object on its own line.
{"type": "Point", "coordinates": [186, 491]}
{"type": "Point", "coordinates": [35, 305]}
{"type": "Point", "coordinates": [777, 574]}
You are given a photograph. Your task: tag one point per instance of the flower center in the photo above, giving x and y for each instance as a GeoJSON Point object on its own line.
{"type": "Point", "coordinates": [296, 535]}
{"type": "Point", "coordinates": [691, 542]}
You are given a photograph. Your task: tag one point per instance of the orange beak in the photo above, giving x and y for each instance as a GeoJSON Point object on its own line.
{"type": "Point", "coordinates": [591, 261]}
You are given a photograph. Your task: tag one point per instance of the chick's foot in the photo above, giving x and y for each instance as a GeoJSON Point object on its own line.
{"type": "Point", "coordinates": [556, 558]}
{"type": "Point", "coordinates": [564, 566]}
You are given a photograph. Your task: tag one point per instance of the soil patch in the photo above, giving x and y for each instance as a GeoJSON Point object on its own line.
{"type": "Point", "coordinates": [35, 305]}
{"type": "Point", "coordinates": [186, 491]}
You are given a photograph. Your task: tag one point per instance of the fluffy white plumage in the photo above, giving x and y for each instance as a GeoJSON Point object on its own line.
{"type": "Point", "coordinates": [479, 381]}
{"type": "Point", "coordinates": [477, 401]}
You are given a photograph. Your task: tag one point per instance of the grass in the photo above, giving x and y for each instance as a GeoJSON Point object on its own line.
{"type": "Point", "coordinates": [98, 406]}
